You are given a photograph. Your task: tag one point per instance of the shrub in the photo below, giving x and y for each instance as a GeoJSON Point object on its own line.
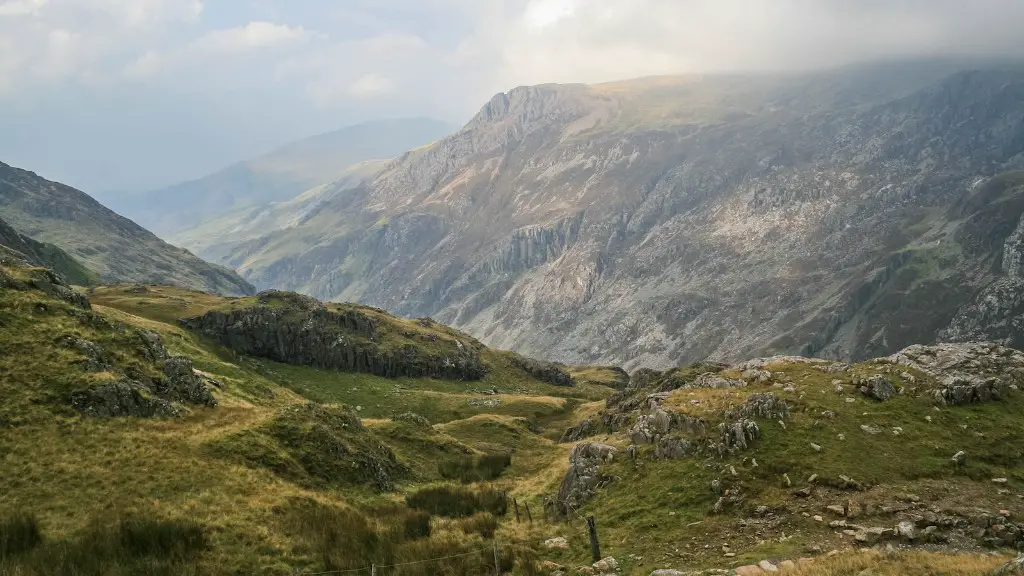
{"type": "Point", "coordinates": [19, 533]}
{"type": "Point", "coordinates": [417, 525]}
{"type": "Point", "coordinates": [161, 538]}
{"type": "Point", "coordinates": [480, 523]}
{"type": "Point", "coordinates": [458, 502]}
{"type": "Point", "coordinates": [468, 469]}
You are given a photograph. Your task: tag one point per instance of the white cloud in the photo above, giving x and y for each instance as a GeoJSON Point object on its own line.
{"type": "Point", "coordinates": [369, 85]}
{"type": "Point", "coordinates": [20, 7]}
{"type": "Point", "coordinates": [253, 35]}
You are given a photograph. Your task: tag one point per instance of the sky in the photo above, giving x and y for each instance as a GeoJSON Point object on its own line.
{"type": "Point", "coordinates": [137, 94]}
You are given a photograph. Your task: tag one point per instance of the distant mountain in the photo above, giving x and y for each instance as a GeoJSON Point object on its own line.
{"type": "Point", "coordinates": [111, 246]}
{"type": "Point", "coordinates": [276, 176]}
{"type": "Point", "coordinates": [21, 247]}
{"type": "Point", "coordinates": [219, 240]}
{"type": "Point", "coordinates": [844, 213]}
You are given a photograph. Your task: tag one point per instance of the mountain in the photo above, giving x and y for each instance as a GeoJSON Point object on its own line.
{"type": "Point", "coordinates": [20, 247]}
{"type": "Point", "coordinates": [156, 430]}
{"type": "Point", "coordinates": [216, 239]}
{"type": "Point", "coordinates": [114, 248]}
{"type": "Point", "coordinates": [279, 175]}
{"type": "Point", "coordinates": [844, 213]}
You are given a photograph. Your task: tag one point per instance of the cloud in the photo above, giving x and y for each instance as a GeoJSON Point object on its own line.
{"type": "Point", "coordinates": [20, 7]}
{"type": "Point", "coordinates": [278, 69]}
{"type": "Point", "coordinates": [370, 85]}
{"type": "Point", "coordinates": [254, 35]}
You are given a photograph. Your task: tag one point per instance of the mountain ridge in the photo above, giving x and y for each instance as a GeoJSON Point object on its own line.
{"type": "Point", "coordinates": [113, 247]}
{"type": "Point", "coordinates": [278, 175]}
{"type": "Point", "coordinates": [703, 199]}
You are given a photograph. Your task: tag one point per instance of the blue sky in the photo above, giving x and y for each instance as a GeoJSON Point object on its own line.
{"type": "Point", "coordinates": [135, 94]}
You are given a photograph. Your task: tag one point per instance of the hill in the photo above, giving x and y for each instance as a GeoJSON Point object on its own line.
{"type": "Point", "coordinates": [165, 431]}
{"type": "Point", "coordinates": [840, 213]}
{"type": "Point", "coordinates": [114, 248]}
{"type": "Point", "coordinates": [276, 176]}
{"type": "Point", "coordinates": [25, 249]}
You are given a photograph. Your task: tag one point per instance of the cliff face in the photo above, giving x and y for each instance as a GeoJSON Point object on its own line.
{"type": "Point", "coordinates": [661, 221]}
{"type": "Point", "coordinates": [295, 329]}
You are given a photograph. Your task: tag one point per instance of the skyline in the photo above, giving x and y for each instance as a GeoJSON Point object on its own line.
{"type": "Point", "coordinates": [116, 94]}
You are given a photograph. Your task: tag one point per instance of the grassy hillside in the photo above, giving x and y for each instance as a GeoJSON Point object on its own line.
{"type": "Point", "coordinates": [115, 248]}
{"type": "Point", "coordinates": [19, 246]}
{"type": "Point", "coordinates": [299, 468]}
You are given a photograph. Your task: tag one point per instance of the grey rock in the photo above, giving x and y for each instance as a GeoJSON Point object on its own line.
{"type": "Point", "coordinates": [121, 398]}
{"type": "Point", "coordinates": [413, 418]}
{"type": "Point", "coordinates": [183, 384]}
{"type": "Point", "coordinates": [878, 387]}
{"type": "Point", "coordinates": [584, 477]}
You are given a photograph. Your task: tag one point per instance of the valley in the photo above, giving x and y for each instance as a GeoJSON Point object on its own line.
{"type": "Point", "coordinates": [154, 429]}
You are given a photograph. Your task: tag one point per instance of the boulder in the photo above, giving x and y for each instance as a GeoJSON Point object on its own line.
{"type": "Point", "coordinates": [878, 387]}
{"type": "Point", "coordinates": [183, 384]}
{"type": "Point", "coordinates": [583, 478]}
{"type": "Point", "coordinates": [558, 543]}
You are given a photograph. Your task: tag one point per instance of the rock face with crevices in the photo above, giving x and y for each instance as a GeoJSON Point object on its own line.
{"type": "Point", "coordinates": [295, 329]}
{"type": "Point", "coordinates": [844, 214]}
{"type": "Point", "coordinates": [584, 476]}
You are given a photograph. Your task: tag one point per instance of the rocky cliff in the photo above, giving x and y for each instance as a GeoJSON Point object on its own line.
{"type": "Point", "coordinates": [844, 214]}
{"type": "Point", "coordinates": [115, 248]}
{"type": "Point", "coordinates": [295, 329]}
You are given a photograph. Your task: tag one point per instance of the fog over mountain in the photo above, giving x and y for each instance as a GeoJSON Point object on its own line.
{"type": "Point", "coordinates": [136, 95]}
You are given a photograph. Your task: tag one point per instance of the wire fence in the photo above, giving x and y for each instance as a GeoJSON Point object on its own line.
{"type": "Point", "coordinates": [374, 568]}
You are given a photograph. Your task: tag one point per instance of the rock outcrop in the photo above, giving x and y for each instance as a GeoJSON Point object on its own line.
{"type": "Point", "coordinates": [584, 476]}
{"type": "Point", "coordinates": [294, 329]}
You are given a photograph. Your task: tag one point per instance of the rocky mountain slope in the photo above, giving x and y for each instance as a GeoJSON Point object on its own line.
{"type": "Point", "coordinates": [843, 214]}
{"type": "Point", "coordinates": [114, 248]}
{"type": "Point", "coordinates": [276, 176]}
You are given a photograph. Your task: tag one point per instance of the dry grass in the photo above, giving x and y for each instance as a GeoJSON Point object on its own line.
{"type": "Point", "coordinates": [913, 563]}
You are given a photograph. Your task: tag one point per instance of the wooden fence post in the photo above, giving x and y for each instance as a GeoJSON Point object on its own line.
{"type": "Point", "coordinates": [373, 570]}
{"type": "Point", "coordinates": [515, 505]}
{"type": "Point", "coordinates": [529, 516]}
{"type": "Point", "coordinates": [497, 560]}
{"type": "Point", "coordinates": [595, 545]}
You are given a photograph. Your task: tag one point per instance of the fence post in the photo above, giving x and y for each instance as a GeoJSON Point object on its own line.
{"type": "Point", "coordinates": [595, 545]}
{"type": "Point", "coordinates": [515, 504]}
{"type": "Point", "coordinates": [497, 560]}
{"type": "Point", "coordinates": [373, 570]}
{"type": "Point", "coordinates": [528, 515]}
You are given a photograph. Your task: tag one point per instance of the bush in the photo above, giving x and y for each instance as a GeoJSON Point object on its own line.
{"type": "Point", "coordinates": [417, 525]}
{"type": "Point", "coordinates": [134, 546]}
{"type": "Point", "coordinates": [161, 538]}
{"type": "Point", "coordinates": [468, 469]}
{"type": "Point", "coordinates": [19, 533]}
{"type": "Point", "coordinates": [458, 502]}
{"type": "Point", "coordinates": [480, 523]}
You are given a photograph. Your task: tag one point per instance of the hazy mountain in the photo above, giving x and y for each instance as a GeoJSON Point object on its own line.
{"type": "Point", "coordinates": [24, 249]}
{"type": "Point", "coordinates": [663, 220]}
{"type": "Point", "coordinates": [279, 175]}
{"type": "Point", "coordinates": [113, 247]}
{"type": "Point", "coordinates": [217, 239]}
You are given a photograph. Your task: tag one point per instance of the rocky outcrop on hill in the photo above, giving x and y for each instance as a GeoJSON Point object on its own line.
{"type": "Point", "coordinates": [584, 476]}
{"type": "Point", "coordinates": [135, 393]}
{"type": "Point", "coordinates": [294, 329]}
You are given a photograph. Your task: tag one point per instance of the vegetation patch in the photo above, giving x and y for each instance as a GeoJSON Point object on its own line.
{"type": "Point", "coordinates": [458, 502]}
{"type": "Point", "coordinates": [467, 469]}
{"type": "Point", "coordinates": [315, 446]}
